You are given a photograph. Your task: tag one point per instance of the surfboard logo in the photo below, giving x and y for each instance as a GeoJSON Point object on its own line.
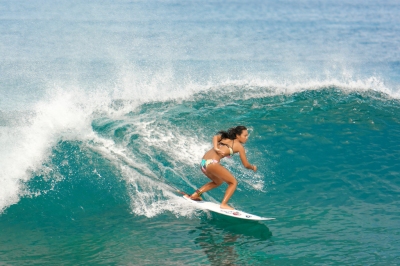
{"type": "Point", "coordinates": [236, 213]}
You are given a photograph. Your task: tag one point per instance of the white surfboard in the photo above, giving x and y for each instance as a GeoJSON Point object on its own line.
{"type": "Point", "coordinates": [206, 205]}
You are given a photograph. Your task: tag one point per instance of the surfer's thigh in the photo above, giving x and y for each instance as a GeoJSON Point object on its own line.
{"type": "Point", "coordinates": [221, 173]}
{"type": "Point", "coordinates": [218, 181]}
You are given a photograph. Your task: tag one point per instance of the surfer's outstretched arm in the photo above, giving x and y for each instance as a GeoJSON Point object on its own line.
{"type": "Point", "coordinates": [243, 158]}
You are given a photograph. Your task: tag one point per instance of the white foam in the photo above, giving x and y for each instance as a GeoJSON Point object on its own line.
{"type": "Point", "coordinates": [67, 113]}
{"type": "Point", "coordinates": [24, 147]}
{"type": "Point", "coordinates": [149, 196]}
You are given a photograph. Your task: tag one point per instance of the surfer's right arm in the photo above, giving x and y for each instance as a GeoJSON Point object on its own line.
{"type": "Point", "coordinates": [216, 139]}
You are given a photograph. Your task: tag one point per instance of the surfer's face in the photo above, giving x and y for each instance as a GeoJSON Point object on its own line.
{"type": "Point", "coordinates": [242, 138]}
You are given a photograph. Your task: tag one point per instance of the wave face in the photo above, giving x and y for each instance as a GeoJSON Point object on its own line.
{"type": "Point", "coordinates": [107, 107]}
{"type": "Point", "coordinates": [327, 159]}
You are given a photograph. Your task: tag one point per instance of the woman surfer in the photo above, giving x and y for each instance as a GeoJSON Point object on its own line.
{"type": "Point", "coordinates": [226, 143]}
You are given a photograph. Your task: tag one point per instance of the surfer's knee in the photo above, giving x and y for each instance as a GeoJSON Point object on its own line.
{"type": "Point", "coordinates": [232, 182]}
{"type": "Point", "coordinates": [218, 182]}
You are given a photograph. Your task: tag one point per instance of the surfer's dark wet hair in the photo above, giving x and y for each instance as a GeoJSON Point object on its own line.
{"type": "Point", "coordinates": [232, 132]}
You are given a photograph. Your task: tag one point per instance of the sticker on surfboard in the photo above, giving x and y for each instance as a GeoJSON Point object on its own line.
{"type": "Point", "coordinates": [211, 206]}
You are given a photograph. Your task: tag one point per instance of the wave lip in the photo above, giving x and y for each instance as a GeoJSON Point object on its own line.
{"type": "Point", "coordinates": [26, 145]}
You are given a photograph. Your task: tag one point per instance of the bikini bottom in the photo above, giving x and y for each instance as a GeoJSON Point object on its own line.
{"type": "Point", "coordinates": [206, 162]}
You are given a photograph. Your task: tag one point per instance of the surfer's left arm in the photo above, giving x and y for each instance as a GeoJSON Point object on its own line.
{"type": "Point", "coordinates": [245, 162]}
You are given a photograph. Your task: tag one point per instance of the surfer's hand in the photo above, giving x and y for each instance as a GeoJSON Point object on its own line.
{"type": "Point", "coordinates": [219, 152]}
{"type": "Point", "coordinates": [254, 168]}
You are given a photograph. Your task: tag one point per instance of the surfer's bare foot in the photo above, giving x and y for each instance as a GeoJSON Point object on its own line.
{"type": "Point", "coordinates": [226, 207]}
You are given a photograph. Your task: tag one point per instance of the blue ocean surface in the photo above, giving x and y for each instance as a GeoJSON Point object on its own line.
{"type": "Point", "coordinates": [107, 107]}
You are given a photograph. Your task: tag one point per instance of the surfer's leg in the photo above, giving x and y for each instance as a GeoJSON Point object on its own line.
{"type": "Point", "coordinates": [215, 182]}
{"type": "Point", "coordinates": [221, 173]}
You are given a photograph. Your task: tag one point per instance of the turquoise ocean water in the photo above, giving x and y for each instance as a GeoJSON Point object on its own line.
{"type": "Point", "coordinates": [106, 107]}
